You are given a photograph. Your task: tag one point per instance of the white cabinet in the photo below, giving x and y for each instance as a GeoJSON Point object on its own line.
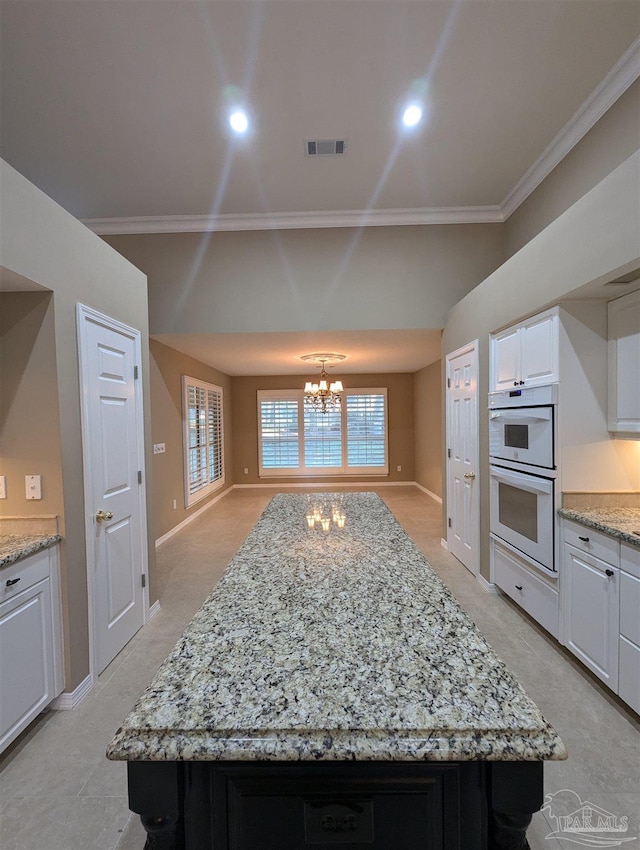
{"type": "Point", "coordinates": [601, 606]}
{"type": "Point", "coordinates": [623, 355]}
{"type": "Point", "coordinates": [629, 646]}
{"type": "Point", "coordinates": [30, 650]}
{"type": "Point", "coordinates": [590, 596]}
{"type": "Point", "coordinates": [525, 585]}
{"type": "Point", "coordinates": [526, 354]}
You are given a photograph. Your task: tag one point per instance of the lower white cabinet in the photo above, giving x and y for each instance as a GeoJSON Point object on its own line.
{"type": "Point", "coordinates": [591, 599]}
{"type": "Point", "coordinates": [525, 585]}
{"type": "Point", "coordinates": [629, 645]}
{"type": "Point", "coordinates": [30, 645]}
{"type": "Point", "coordinates": [600, 578]}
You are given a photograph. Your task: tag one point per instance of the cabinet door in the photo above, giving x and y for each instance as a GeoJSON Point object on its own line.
{"type": "Point", "coordinates": [539, 349]}
{"type": "Point", "coordinates": [26, 659]}
{"type": "Point", "coordinates": [591, 593]}
{"type": "Point", "coordinates": [505, 360]}
{"type": "Point", "coordinates": [629, 678]}
{"type": "Point", "coordinates": [623, 353]}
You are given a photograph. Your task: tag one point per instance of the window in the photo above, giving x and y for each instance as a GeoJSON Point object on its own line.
{"type": "Point", "coordinates": [295, 439]}
{"type": "Point", "coordinates": [203, 439]}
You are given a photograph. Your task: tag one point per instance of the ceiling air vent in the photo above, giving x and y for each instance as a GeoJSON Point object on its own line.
{"type": "Point", "coordinates": [324, 147]}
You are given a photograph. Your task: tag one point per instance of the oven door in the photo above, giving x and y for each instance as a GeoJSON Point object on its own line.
{"type": "Point", "coordinates": [522, 434]}
{"type": "Point", "coordinates": [522, 512]}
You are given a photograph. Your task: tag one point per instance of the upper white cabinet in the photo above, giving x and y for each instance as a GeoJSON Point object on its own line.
{"type": "Point", "coordinates": [623, 333]}
{"type": "Point", "coordinates": [526, 354]}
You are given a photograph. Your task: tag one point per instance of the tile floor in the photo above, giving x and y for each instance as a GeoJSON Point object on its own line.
{"type": "Point", "coordinates": [58, 792]}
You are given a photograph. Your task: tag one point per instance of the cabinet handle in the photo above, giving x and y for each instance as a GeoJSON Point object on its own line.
{"type": "Point", "coordinates": [584, 539]}
{"type": "Point", "coordinates": [609, 573]}
{"type": "Point", "coordinates": [518, 587]}
{"type": "Point", "coordinates": [515, 383]}
{"type": "Point", "coordinates": [521, 383]}
{"type": "Point", "coordinates": [12, 581]}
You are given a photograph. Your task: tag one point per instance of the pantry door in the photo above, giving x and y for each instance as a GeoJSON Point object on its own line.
{"type": "Point", "coordinates": [463, 505]}
{"type": "Point", "coordinates": [113, 454]}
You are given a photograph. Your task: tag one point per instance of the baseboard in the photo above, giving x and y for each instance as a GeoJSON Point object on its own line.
{"type": "Point", "coordinates": [153, 610]}
{"type": "Point", "coordinates": [185, 522]}
{"type": "Point", "coordinates": [438, 499]}
{"type": "Point", "coordinates": [444, 544]}
{"type": "Point", "coordinates": [326, 485]}
{"type": "Point", "coordinates": [71, 699]}
{"type": "Point", "coordinates": [487, 585]}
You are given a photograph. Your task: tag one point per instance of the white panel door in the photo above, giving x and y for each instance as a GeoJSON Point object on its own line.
{"type": "Point", "coordinates": [112, 425]}
{"type": "Point", "coordinates": [462, 451]}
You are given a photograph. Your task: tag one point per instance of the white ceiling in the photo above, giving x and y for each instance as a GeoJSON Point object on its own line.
{"type": "Point", "coordinates": [116, 108]}
{"type": "Point", "coordinates": [279, 353]}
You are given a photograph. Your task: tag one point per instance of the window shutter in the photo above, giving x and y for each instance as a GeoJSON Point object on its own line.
{"type": "Point", "coordinates": [279, 433]}
{"type": "Point", "coordinates": [366, 438]}
{"type": "Point", "coordinates": [322, 438]}
{"type": "Point", "coordinates": [204, 438]}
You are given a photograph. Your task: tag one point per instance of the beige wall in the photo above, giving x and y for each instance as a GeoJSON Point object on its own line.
{"type": "Point", "coordinates": [427, 388]}
{"type": "Point", "coordinates": [297, 280]}
{"type": "Point", "coordinates": [612, 140]}
{"type": "Point", "coordinates": [29, 416]}
{"type": "Point", "coordinates": [167, 368]}
{"type": "Point", "coordinates": [595, 239]}
{"type": "Point", "coordinates": [245, 425]}
{"type": "Point", "coordinates": [43, 243]}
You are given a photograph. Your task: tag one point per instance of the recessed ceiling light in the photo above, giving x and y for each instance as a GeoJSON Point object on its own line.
{"type": "Point", "coordinates": [412, 115]}
{"type": "Point", "coordinates": [238, 121]}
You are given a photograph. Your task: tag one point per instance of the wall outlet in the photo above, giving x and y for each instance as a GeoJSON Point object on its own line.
{"type": "Point", "coordinates": [398, 468]}
{"type": "Point", "coordinates": [3, 486]}
{"type": "Point", "coordinates": [175, 505]}
{"type": "Point", "coordinates": [159, 448]}
{"type": "Point", "coordinates": [246, 470]}
{"type": "Point", "coordinates": [33, 486]}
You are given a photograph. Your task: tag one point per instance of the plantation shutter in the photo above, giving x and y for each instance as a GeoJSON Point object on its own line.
{"type": "Point", "coordinates": [366, 430]}
{"type": "Point", "coordinates": [204, 445]}
{"type": "Point", "coordinates": [279, 433]}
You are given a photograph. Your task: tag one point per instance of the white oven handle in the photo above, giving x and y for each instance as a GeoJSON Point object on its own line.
{"type": "Point", "coordinates": [511, 417]}
{"type": "Point", "coordinates": [531, 483]}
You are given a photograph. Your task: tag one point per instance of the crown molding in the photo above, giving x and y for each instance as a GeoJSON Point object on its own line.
{"type": "Point", "coordinates": [625, 72]}
{"type": "Point", "coordinates": [294, 220]}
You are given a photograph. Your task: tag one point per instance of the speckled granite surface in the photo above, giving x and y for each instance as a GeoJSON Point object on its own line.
{"type": "Point", "coordinates": [332, 646]}
{"type": "Point", "coordinates": [618, 522]}
{"type": "Point", "coordinates": [14, 547]}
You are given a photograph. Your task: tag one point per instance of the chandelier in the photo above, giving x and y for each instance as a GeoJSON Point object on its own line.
{"type": "Point", "coordinates": [325, 394]}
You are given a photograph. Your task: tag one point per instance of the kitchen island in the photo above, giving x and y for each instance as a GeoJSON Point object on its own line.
{"type": "Point", "coordinates": [330, 691]}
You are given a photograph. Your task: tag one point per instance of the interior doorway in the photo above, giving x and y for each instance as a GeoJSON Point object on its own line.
{"type": "Point", "coordinates": [115, 505]}
{"type": "Point", "coordinates": [463, 506]}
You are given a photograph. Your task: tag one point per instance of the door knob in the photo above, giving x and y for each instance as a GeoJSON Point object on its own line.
{"type": "Point", "coordinates": [102, 515]}
{"type": "Point", "coordinates": [470, 475]}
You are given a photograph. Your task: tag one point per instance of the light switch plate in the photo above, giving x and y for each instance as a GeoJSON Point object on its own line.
{"type": "Point", "coordinates": [3, 486]}
{"type": "Point", "coordinates": [159, 448]}
{"type": "Point", "coordinates": [33, 486]}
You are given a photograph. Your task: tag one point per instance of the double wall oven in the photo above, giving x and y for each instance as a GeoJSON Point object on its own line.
{"type": "Point", "coordinates": [522, 426]}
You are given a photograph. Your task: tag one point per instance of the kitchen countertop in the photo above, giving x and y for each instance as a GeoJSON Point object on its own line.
{"type": "Point", "coordinates": [14, 547]}
{"type": "Point", "coordinates": [623, 523]}
{"type": "Point", "coordinates": [339, 645]}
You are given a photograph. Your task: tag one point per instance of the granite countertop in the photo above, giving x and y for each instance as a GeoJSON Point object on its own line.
{"type": "Point", "coordinates": [618, 522]}
{"type": "Point", "coordinates": [335, 645]}
{"type": "Point", "coordinates": [14, 547]}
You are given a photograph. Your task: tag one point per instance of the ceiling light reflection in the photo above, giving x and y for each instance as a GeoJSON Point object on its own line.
{"type": "Point", "coordinates": [412, 115]}
{"type": "Point", "coordinates": [238, 121]}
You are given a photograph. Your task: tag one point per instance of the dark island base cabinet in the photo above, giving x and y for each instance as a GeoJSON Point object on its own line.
{"type": "Point", "coordinates": [335, 806]}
